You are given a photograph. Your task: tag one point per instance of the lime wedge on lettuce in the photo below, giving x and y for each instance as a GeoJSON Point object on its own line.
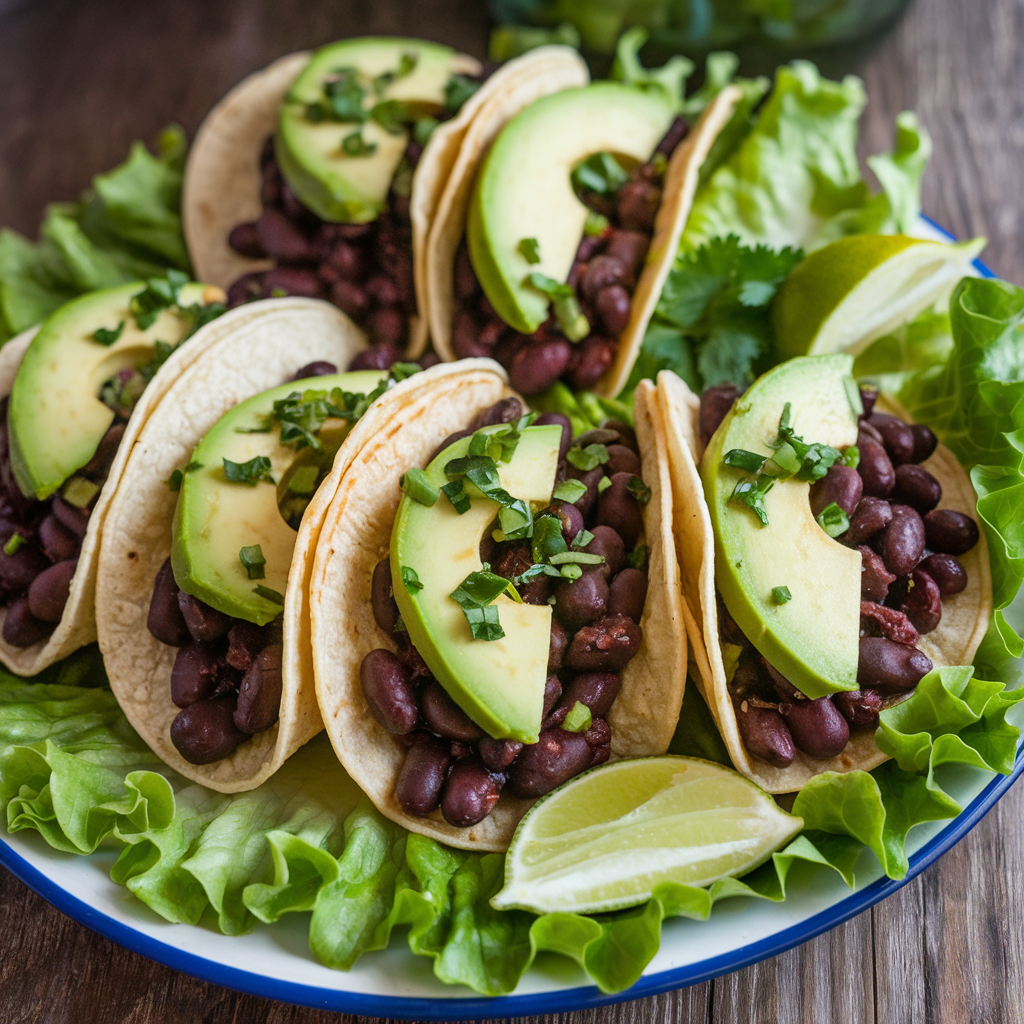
{"type": "Point", "coordinates": [604, 840]}
{"type": "Point", "coordinates": [844, 296]}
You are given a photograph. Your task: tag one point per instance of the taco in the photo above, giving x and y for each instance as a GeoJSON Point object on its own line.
{"type": "Point", "coordinates": [358, 141]}
{"type": "Point", "coordinates": [456, 692]}
{"type": "Point", "coordinates": [199, 599]}
{"type": "Point", "coordinates": [75, 393]}
{"type": "Point", "coordinates": [552, 256]}
{"type": "Point", "coordinates": [829, 559]}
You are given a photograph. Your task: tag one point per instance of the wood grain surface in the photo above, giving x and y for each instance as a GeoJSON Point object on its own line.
{"type": "Point", "coordinates": [80, 80]}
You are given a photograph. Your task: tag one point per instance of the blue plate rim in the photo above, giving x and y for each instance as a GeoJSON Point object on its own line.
{"type": "Point", "coordinates": [482, 1007]}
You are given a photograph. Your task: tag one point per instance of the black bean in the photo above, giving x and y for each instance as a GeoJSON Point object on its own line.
{"type": "Point", "coordinates": [638, 201]}
{"type": "Point", "coordinates": [612, 305]}
{"type": "Point", "coordinates": [871, 516]}
{"type": "Point", "coordinates": [382, 597]}
{"type": "Point", "coordinates": [280, 239]}
{"type": "Point", "coordinates": [498, 754]}
{"type": "Point", "coordinates": [949, 575]}
{"type": "Point", "coordinates": [388, 326]}
{"type": "Point", "coordinates": [599, 734]}
{"type": "Point", "coordinates": [348, 260]}
{"type": "Point", "coordinates": [925, 442]}
{"type": "Point", "coordinates": [859, 707]}
{"type": "Point", "coordinates": [782, 686]}
{"type": "Point", "coordinates": [630, 249]}
{"type": "Point", "coordinates": [349, 298]}
{"type": "Point", "coordinates": [559, 420]}
{"type": "Point", "coordinates": [421, 778]}
{"type": "Point", "coordinates": [606, 646]}
{"type": "Point", "coordinates": [875, 469]}
{"type": "Point", "coordinates": [165, 620]}
{"type": "Point", "coordinates": [57, 541]}
{"type": "Point", "coordinates": [901, 544]}
{"type": "Point", "coordinates": [879, 620]}
{"type": "Point", "coordinates": [205, 732]}
{"type": "Point", "coordinates": [21, 627]}
{"type": "Point", "coordinates": [17, 571]}
{"type": "Point", "coordinates": [445, 717]}
{"type": "Point", "coordinates": [581, 601]}
{"type": "Point", "coordinates": [203, 622]}
{"type": "Point", "coordinates": [507, 410]}
{"type": "Point", "coordinates": [917, 488]}
{"type": "Point", "coordinates": [627, 594]}
{"type": "Point", "coordinates": [597, 690]}
{"type": "Point", "coordinates": [622, 460]}
{"type": "Point", "coordinates": [428, 359]}
{"type": "Point", "coordinates": [865, 431]}
{"type": "Point", "coordinates": [259, 695]}
{"type": "Point", "coordinates": [389, 692]}
{"type": "Point", "coordinates": [868, 397]}
{"type": "Point", "coordinates": [922, 603]}
{"type": "Point", "coordinates": [246, 640]}
{"type": "Point", "coordinates": [511, 558]}
{"type": "Point", "coordinates": [248, 288]}
{"type": "Point", "coordinates": [875, 578]}
{"type": "Point", "coordinates": [842, 485]}
{"type": "Point", "coordinates": [601, 272]}
{"type": "Point", "coordinates": [75, 519]}
{"type": "Point", "coordinates": [556, 648]}
{"type": "Point", "coordinates": [48, 592]}
{"type": "Point", "coordinates": [765, 734]}
{"type": "Point", "coordinates": [376, 357]}
{"type": "Point", "coordinates": [466, 284]}
{"type": "Point", "coordinates": [470, 793]}
{"type": "Point", "coordinates": [897, 437]}
{"type": "Point", "coordinates": [98, 466]}
{"type": "Point", "coordinates": [319, 368]}
{"type": "Point", "coordinates": [715, 403]}
{"type": "Point", "coordinates": [590, 360]}
{"type": "Point", "coordinates": [569, 516]}
{"type": "Point", "coordinates": [817, 727]}
{"type": "Point", "coordinates": [890, 666]}
{"type": "Point", "coordinates": [617, 508]}
{"type": "Point", "coordinates": [194, 675]}
{"type": "Point", "coordinates": [590, 479]}
{"type": "Point", "coordinates": [552, 694]}
{"type": "Point", "coordinates": [950, 532]}
{"type": "Point", "coordinates": [537, 366]}
{"type": "Point", "coordinates": [608, 544]}
{"type": "Point", "coordinates": [543, 766]}
{"type": "Point", "coordinates": [536, 591]}
{"type": "Point", "coordinates": [292, 281]}
{"type": "Point", "coordinates": [245, 239]}
{"type": "Point", "coordinates": [677, 131]}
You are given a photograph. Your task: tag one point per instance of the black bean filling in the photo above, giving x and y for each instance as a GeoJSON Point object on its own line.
{"type": "Point", "coordinates": [449, 762]}
{"type": "Point", "coordinates": [604, 276]}
{"type": "Point", "coordinates": [40, 541]}
{"type": "Point", "coordinates": [909, 551]}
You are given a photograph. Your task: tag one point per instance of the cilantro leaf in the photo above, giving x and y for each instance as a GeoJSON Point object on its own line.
{"type": "Point", "coordinates": [475, 595]}
{"type": "Point", "coordinates": [251, 472]}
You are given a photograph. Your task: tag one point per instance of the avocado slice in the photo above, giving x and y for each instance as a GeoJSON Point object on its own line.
{"type": "Point", "coordinates": [55, 417]}
{"type": "Point", "coordinates": [498, 683]}
{"type": "Point", "coordinates": [524, 189]}
{"type": "Point", "coordinates": [813, 639]}
{"type": "Point", "coordinates": [215, 518]}
{"type": "Point", "coordinates": [341, 186]}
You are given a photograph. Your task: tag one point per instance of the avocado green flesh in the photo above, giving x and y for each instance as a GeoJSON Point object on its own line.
{"type": "Point", "coordinates": [524, 189]}
{"type": "Point", "coordinates": [498, 683]}
{"type": "Point", "coordinates": [55, 418]}
{"type": "Point", "coordinates": [814, 638]}
{"type": "Point", "coordinates": [335, 185]}
{"type": "Point", "coordinates": [214, 518]}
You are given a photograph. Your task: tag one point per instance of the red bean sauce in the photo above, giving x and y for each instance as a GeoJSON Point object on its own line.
{"type": "Point", "coordinates": [909, 548]}
{"type": "Point", "coordinates": [604, 276]}
{"type": "Point", "coordinates": [40, 541]}
{"type": "Point", "coordinates": [449, 762]}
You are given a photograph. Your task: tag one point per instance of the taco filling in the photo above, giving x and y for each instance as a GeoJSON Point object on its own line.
{"type": "Point", "coordinates": [505, 682]}
{"type": "Point", "coordinates": [337, 179]}
{"type": "Point", "coordinates": [219, 597]}
{"type": "Point", "coordinates": [76, 388]}
{"type": "Point", "coordinates": [878, 511]}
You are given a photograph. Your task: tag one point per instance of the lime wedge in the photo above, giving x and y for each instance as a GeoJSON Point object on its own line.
{"type": "Point", "coordinates": [844, 296]}
{"type": "Point", "coordinates": [604, 840]}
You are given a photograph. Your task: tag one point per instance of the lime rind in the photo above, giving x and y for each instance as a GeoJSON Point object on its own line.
{"type": "Point", "coordinates": [608, 838]}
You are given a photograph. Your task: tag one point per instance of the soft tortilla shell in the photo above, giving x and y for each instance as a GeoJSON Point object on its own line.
{"type": "Point", "coordinates": [222, 175]}
{"type": "Point", "coordinates": [279, 337]}
{"type": "Point", "coordinates": [539, 73]}
{"type": "Point", "coordinates": [356, 534]}
{"type": "Point", "coordinates": [965, 616]}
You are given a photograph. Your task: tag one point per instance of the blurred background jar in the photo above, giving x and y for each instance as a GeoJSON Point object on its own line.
{"type": "Point", "coordinates": [694, 27]}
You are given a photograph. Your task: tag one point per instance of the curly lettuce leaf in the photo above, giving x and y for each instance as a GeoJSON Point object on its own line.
{"type": "Point", "coordinates": [974, 401]}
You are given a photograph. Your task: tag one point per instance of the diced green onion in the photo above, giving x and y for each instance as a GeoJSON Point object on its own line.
{"type": "Point", "coordinates": [833, 520]}
{"type": "Point", "coordinates": [780, 595]}
{"type": "Point", "coordinates": [579, 718]}
{"type": "Point", "coordinates": [79, 492]}
{"type": "Point", "coordinates": [254, 561]}
{"type": "Point", "coordinates": [303, 480]}
{"type": "Point", "coordinates": [420, 487]}
{"type": "Point", "coordinates": [268, 594]}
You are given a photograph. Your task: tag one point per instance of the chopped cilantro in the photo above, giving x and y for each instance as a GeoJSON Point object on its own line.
{"type": "Point", "coordinates": [475, 595]}
{"type": "Point", "coordinates": [600, 173]}
{"type": "Point", "coordinates": [571, 321]}
{"type": "Point", "coordinates": [457, 90]}
{"type": "Point", "coordinates": [815, 459]}
{"type": "Point", "coordinates": [457, 495]}
{"type": "Point", "coordinates": [251, 472]}
{"type": "Point", "coordinates": [752, 492]}
{"type": "Point", "coordinates": [411, 579]}
{"type": "Point", "coordinates": [14, 544]}
{"type": "Point", "coordinates": [174, 480]}
{"type": "Point", "coordinates": [739, 458]}
{"type": "Point", "coordinates": [406, 65]}
{"type": "Point", "coordinates": [252, 558]}
{"type": "Point", "coordinates": [582, 539]}
{"type": "Point", "coordinates": [355, 145]}
{"type": "Point", "coordinates": [571, 571]}
{"type": "Point", "coordinates": [603, 484]}
{"type": "Point", "coordinates": [638, 557]}
{"type": "Point", "coordinates": [423, 129]}
{"type": "Point", "coordinates": [595, 225]}
{"type": "Point", "coordinates": [268, 594]}
{"type": "Point", "coordinates": [639, 490]}
{"type": "Point", "coordinates": [579, 719]}
{"type": "Point", "coordinates": [547, 538]}
{"type": "Point", "coordinates": [391, 115]}
{"type": "Point", "coordinates": [780, 595]}
{"type": "Point", "coordinates": [529, 249]}
{"type": "Point", "coordinates": [570, 491]}
{"type": "Point", "coordinates": [159, 294]}
{"type": "Point", "coordinates": [106, 335]}
{"type": "Point", "coordinates": [586, 459]}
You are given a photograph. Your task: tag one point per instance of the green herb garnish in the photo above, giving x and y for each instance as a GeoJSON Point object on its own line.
{"type": "Point", "coordinates": [547, 538]}
{"type": "Point", "coordinates": [586, 459]}
{"type": "Point", "coordinates": [576, 558]}
{"type": "Point", "coordinates": [595, 225]}
{"type": "Point", "coordinates": [752, 492]}
{"type": "Point", "coordinates": [529, 249]}
{"type": "Point", "coordinates": [603, 484]}
{"type": "Point", "coordinates": [456, 494]}
{"type": "Point", "coordinates": [581, 540]}
{"type": "Point", "coordinates": [79, 492]}
{"type": "Point", "coordinates": [570, 491]}
{"type": "Point", "coordinates": [475, 596]}
{"type": "Point", "coordinates": [579, 718]}
{"type": "Point", "coordinates": [106, 335]}
{"type": "Point", "coordinates": [739, 458]}
{"type": "Point", "coordinates": [406, 65]}
{"type": "Point", "coordinates": [268, 594]}
{"type": "Point", "coordinates": [159, 294]}
{"type": "Point", "coordinates": [423, 129]}
{"type": "Point", "coordinates": [303, 480]}
{"type": "Point", "coordinates": [457, 90]}
{"type": "Point", "coordinates": [851, 456]}
{"type": "Point", "coordinates": [355, 145]}
{"type": "Point", "coordinates": [815, 459]}
{"type": "Point", "coordinates": [571, 321]}
{"type": "Point", "coordinates": [252, 558]}
{"type": "Point", "coordinates": [14, 544]}
{"type": "Point", "coordinates": [833, 520]}
{"type": "Point", "coordinates": [391, 115]}
{"type": "Point", "coordinates": [640, 491]}
{"type": "Point", "coordinates": [600, 173]}
{"type": "Point", "coordinates": [174, 480]}
{"type": "Point", "coordinates": [251, 472]}
{"type": "Point", "coordinates": [780, 595]}
{"type": "Point", "coordinates": [419, 487]}
{"type": "Point", "coordinates": [411, 579]}
{"type": "Point", "coordinates": [637, 558]}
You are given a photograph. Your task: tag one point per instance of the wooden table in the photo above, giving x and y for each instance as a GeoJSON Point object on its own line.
{"type": "Point", "coordinates": [79, 81]}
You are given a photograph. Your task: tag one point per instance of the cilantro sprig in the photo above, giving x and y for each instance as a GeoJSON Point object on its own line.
{"type": "Point", "coordinates": [476, 595]}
